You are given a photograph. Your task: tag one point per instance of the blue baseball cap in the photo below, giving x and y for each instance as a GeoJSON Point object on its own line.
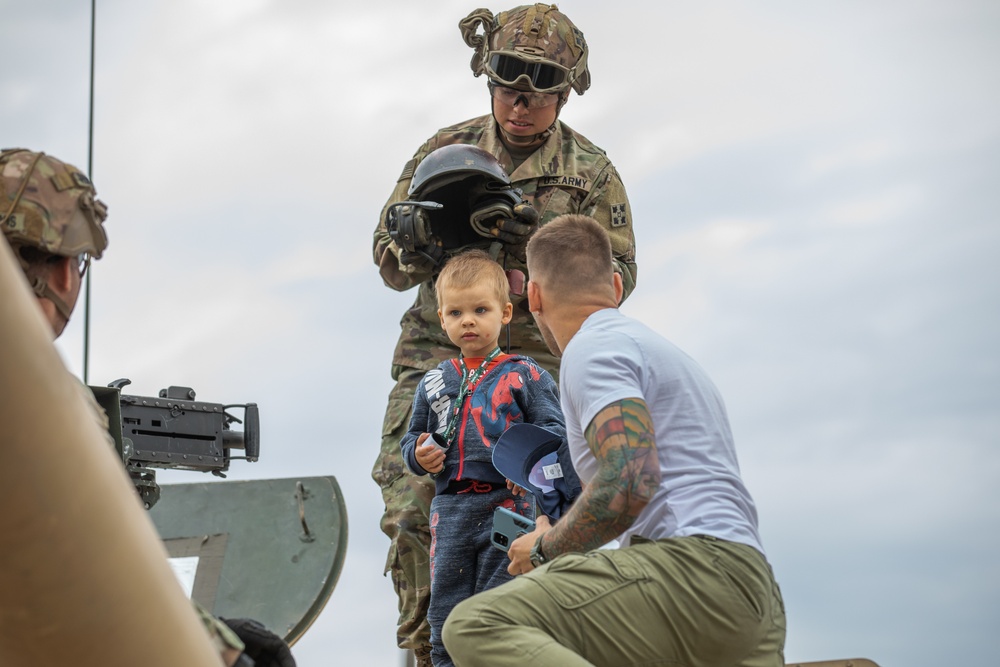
{"type": "Point", "coordinates": [528, 455]}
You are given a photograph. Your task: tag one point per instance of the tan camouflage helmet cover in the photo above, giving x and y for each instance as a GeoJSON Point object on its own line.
{"type": "Point", "coordinates": [535, 34]}
{"type": "Point", "coordinates": [49, 205]}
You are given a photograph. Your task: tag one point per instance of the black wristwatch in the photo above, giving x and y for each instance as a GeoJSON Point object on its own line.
{"type": "Point", "coordinates": [536, 556]}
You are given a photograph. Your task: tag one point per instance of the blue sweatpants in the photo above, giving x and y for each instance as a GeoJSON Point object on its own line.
{"type": "Point", "coordinates": [463, 562]}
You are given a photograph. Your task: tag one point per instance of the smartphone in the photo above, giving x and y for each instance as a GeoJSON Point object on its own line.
{"type": "Point", "coordinates": [507, 526]}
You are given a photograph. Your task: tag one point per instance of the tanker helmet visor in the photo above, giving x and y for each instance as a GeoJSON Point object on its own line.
{"type": "Point", "coordinates": [512, 70]}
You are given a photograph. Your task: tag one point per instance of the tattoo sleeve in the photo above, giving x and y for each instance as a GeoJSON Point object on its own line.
{"type": "Point", "coordinates": [621, 438]}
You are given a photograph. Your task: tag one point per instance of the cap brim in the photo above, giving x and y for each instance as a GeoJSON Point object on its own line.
{"type": "Point", "coordinates": [518, 454]}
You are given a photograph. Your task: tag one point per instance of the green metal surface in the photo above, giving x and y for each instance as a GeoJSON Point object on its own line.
{"type": "Point", "coordinates": [270, 550]}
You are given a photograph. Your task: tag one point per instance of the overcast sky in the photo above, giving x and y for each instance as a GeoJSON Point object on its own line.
{"type": "Point", "coordinates": [815, 195]}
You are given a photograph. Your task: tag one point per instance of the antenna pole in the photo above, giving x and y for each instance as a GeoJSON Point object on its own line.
{"type": "Point", "coordinates": [90, 175]}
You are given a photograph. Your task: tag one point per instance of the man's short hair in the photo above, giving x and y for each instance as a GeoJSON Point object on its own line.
{"type": "Point", "coordinates": [473, 267]}
{"type": "Point", "coordinates": [570, 254]}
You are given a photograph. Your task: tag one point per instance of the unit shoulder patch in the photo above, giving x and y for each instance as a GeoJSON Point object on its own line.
{"type": "Point", "coordinates": [618, 215]}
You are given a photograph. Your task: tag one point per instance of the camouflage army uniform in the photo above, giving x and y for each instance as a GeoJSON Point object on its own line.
{"type": "Point", "coordinates": [566, 174]}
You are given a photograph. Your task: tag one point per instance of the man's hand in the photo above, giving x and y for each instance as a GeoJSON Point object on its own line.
{"type": "Point", "coordinates": [519, 551]}
{"type": "Point", "coordinates": [263, 646]}
{"type": "Point", "coordinates": [515, 232]}
{"type": "Point", "coordinates": [429, 455]}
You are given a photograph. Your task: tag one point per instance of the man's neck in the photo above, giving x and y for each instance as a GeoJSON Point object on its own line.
{"type": "Point", "coordinates": [569, 323]}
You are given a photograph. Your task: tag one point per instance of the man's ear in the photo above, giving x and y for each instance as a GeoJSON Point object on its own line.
{"type": "Point", "coordinates": [619, 284]}
{"type": "Point", "coordinates": [534, 297]}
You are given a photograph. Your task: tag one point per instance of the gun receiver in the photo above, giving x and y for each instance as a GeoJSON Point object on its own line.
{"type": "Point", "coordinates": [175, 431]}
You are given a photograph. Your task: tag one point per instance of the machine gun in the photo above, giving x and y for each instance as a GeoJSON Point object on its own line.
{"type": "Point", "coordinates": [175, 431]}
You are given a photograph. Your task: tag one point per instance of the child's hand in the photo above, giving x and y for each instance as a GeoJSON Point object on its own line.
{"type": "Point", "coordinates": [516, 490]}
{"type": "Point", "coordinates": [429, 456]}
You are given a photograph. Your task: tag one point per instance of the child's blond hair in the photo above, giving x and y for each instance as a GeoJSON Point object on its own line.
{"type": "Point", "coordinates": [473, 267]}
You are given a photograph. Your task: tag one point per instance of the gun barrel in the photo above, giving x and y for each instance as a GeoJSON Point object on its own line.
{"type": "Point", "coordinates": [233, 440]}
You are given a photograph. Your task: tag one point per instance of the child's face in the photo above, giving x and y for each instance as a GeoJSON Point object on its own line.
{"type": "Point", "coordinates": [472, 317]}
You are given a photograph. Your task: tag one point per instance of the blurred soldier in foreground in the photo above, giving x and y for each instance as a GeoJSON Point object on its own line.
{"type": "Point", "coordinates": [54, 223]}
{"type": "Point", "coordinates": [532, 56]}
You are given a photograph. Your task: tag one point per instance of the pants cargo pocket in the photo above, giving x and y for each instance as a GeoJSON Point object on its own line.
{"type": "Point", "coordinates": [575, 580]}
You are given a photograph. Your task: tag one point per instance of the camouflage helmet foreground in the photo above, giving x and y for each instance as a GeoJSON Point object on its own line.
{"type": "Point", "coordinates": [49, 205]}
{"type": "Point", "coordinates": [533, 46]}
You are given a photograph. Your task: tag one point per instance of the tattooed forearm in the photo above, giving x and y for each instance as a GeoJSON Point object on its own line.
{"type": "Point", "coordinates": [621, 438]}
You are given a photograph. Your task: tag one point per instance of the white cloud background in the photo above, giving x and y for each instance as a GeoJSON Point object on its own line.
{"type": "Point", "coordinates": [814, 190]}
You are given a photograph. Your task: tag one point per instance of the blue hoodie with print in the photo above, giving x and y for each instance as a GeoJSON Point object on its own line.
{"type": "Point", "coordinates": [514, 389]}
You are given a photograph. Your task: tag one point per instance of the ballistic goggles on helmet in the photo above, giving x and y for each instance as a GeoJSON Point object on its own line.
{"type": "Point", "coordinates": [510, 97]}
{"type": "Point", "coordinates": [82, 263]}
{"type": "Point", "coordinates": [511, 69]}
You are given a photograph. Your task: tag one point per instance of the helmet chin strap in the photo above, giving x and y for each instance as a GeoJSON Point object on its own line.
{"type": "Point", "coordinates": [541, 137]}
{"type": "Point", "coordinates": [42, 290]}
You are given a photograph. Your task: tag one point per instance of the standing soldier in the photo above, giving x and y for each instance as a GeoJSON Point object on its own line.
{"type": "Point", "coordinates": [532, 56]}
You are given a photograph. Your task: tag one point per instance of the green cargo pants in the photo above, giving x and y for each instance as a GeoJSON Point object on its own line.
{"type": "Point", "coordinates": [681, 602]}
{"type": "Point", "coordinates": [407, 500]}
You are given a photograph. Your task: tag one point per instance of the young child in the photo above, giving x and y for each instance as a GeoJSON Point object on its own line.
{"type": "Point", "coordinates": [459, 411]}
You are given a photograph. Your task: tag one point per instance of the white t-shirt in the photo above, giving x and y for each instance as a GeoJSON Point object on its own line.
{"type": "Point", "coordinates": [613, 357]}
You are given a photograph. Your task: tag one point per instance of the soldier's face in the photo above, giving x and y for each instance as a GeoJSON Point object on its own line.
{"type": "Point", "coordinates": [472, 317]}
{"type": "Point", "coordinates": [64, 278]}
{"type": "Point", "coordinates": [73, 296]}
{"type": "Point", "coordinates": [521, 121]}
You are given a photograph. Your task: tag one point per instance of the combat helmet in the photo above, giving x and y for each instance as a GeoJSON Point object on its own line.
{"type": "Point", "coordinates": [51, 207]}
{"type": "Point", "coordinates": [534, 47]}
